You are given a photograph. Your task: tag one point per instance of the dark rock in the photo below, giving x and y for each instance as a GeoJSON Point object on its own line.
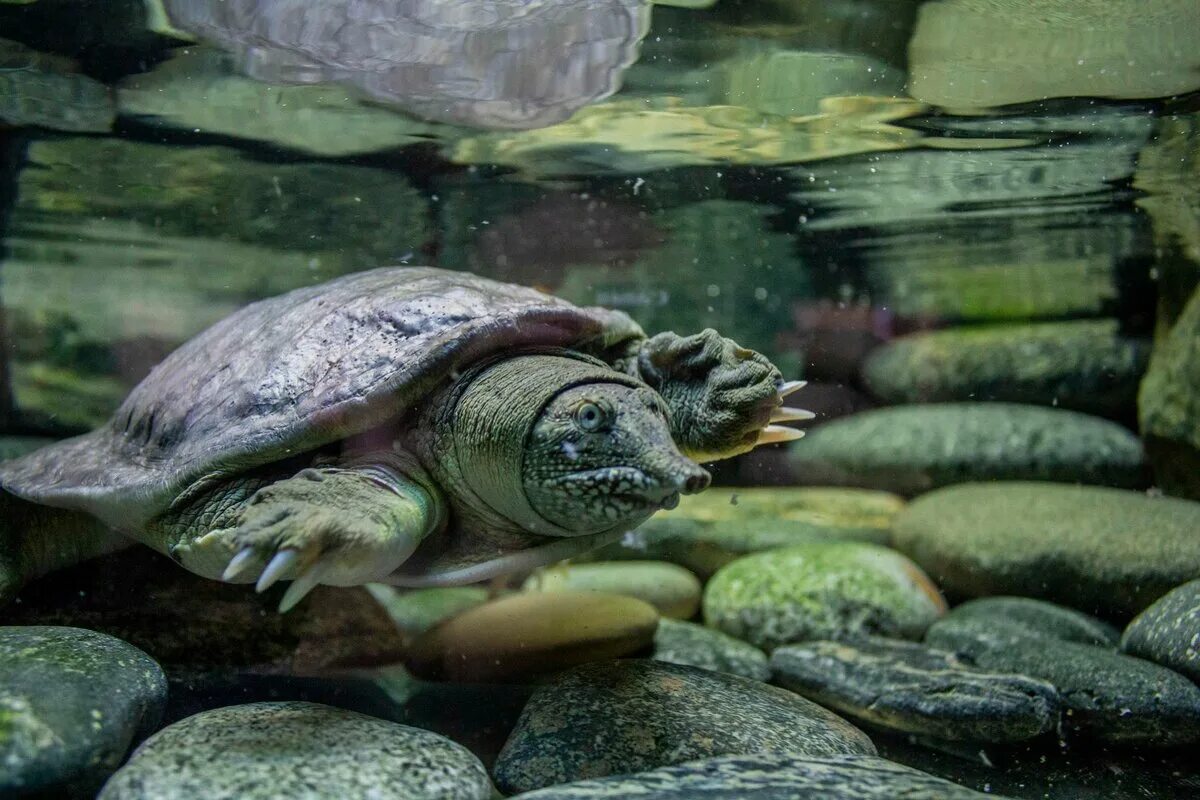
{"type": "Point", "coordinates": [1168, 632]}
{"type": "Point", "coordinates": [769, 777]}
{"type": "Point", "coordinates": [1103, 551]}
{"type": "Point", "coordinates": [72, 701]}
{"type": "Point", "coordinates": [1040, 617]}
{"type": "Point", "coordinates": [1106, 696]}
{"type": "Point", "coordinates": [293, 749]}
{"type": "Point", "coordinates": [911, 688]}
{"type": "Point", "coordinates": [678, 642]}
{"type": "Point", "coordinates": [912, 449]}
{"type": "Point", "coordinates": [627, 716]}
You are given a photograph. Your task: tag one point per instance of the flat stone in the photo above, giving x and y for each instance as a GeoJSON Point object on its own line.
{"type": "Point", "coordinates": [911, 688]}
{"type": "Point", "coordinates": [821, 591]}
{"type": "Point", "coordinates": [1102, 551]}
{"type": "Point", "coordinates": [679, 642]}
{"type": "Point", "coordinates": [1168, 632]}
{"type": "Point", "coordinates": [717, 526]}
{"type": "Point", "coordinates": [1085, 365]}
{"type": "Point", "coordinates": [519, 637]}
{"type": "Point", "coordinates": [1041, 617]}
{"type": "Point", "coordinates": [671, 589]}
{"type": "Point", "coordinates": [72, 701]}
{"type": "Point", "coordinates": [296, 749]}
{"type": "Point", "coordinates": [912, 449]}
{"type": "Point", "coordinates": [769, 777]}
{"type": "Point", "coordinates": [1106, 696]}
{"type": "Point", "coordinates": [619, 717]}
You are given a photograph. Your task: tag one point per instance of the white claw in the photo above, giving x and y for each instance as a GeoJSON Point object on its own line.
{"type": "Point", "coordinates": [785, 414]}
{"type": "Point", "coordinates": [791, 386]}
{"type": "Point", "coordinates": [280, 564]}
{"type": "Point", "coordinates": [238, 564]}
{"type": "Point", "coordinates": [300, 587]}
{"type": "Point", "coordinates": [773, 434]}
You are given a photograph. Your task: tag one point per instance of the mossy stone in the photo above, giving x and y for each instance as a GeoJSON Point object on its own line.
{"type": "Point", "coordinates": [713, 528]}
{"type": "Point", "coordinates": [72, 701]}
{"type": "Point", "coordinates": [679, 642]}
{"type": "Point", "coordinates": [912, 449]}
{"type": "Point", "coordinates": [1104, 551]}
{"type": "Point", "coordinates": [821, 591]}
{"type": "Point", "coordinates": [671, 589]}
{"type": "Point", "coordinates": [1085, 365]}
{"type": "Point", "coordinates": [616, 717]}
{"type": "Point", "coordinates": [1168, 632]}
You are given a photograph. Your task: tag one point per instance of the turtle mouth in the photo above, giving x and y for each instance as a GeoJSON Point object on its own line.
{"type": "Point", "coordinates": [627, 486]}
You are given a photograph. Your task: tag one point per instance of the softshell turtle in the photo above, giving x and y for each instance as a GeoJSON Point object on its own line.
{"type": "Point", "coordinates": [408, 425]}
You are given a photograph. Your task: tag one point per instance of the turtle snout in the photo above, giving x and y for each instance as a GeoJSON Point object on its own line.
{"type": "Point", "coordinates": [691, 478]}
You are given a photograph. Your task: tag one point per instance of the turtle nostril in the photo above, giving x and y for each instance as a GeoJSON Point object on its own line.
{"type": "Point", "coordinates": [696, 482]}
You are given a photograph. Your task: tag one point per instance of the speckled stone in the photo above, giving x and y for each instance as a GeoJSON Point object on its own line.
{"type": "Point", "coordinates": [72, 701]}
{"type": "Point", "coordinates": [911, 688]}
{"type": "Point", "coordinates": [1106, 696]}
{"type": "Point", "coordinates": [769, 777]}
{"type": "Point", "coordinates": [1168, 632]}
{"type": "Point", "coordinates": [720, 525]}
{"type": "Point", "coordinates": [522, 636]}
{"type": "Point", "coordinates": [294, 749]}
{"type": "Point", "coordinates": [670, 588]}
{"type": "Point", "coordinates": [821, 591]}
{"type": "Point", "coordinates": [916, 448]}
{"type": "Point", "coordinates": [678, 642]}
{"type": "Point", "coordinates": [1102, 551]}
{"type": "Point", "coordinates": [1040, 617]}
{"type": "Point", "coordinates": [618, 717]}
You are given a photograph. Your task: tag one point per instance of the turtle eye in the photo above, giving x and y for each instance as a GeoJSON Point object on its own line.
{"type": "Point", "coordinates": [591, 417]}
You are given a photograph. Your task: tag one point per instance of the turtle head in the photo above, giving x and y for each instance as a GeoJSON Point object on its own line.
{"type": "Point", "coordinates": [600, 455]}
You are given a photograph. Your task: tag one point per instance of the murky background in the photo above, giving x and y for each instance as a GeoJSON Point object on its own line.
{"type": "Point", "coordinates": [908, 204]}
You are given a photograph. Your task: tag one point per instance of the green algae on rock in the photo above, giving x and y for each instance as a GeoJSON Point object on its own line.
{"type": "Point", "coordinates": [911, 688]}
{"type": "Point", "coordinates": [1085, 365]}
{"type": "Point", "coordinates": [296, 749]}
{"type": "Point", "coordinates": [912, 449]}
{"type": "Point", "coordinates": [72, 701]}
{"type": "Point", "coordinates": [615, 717]}
{"type": "Point", "coordinates": [679, 642]}
{"type": "Point", "coordinates": [1041, 618]}
{"type": "Point", "coordinates": [671, 589]}
{"type": "Point", "coordinates": [821, 591]}
{"type": "Point", "coordinates": [1168, 632]}
{"type": "Point", "coordinates": [1103, 551]}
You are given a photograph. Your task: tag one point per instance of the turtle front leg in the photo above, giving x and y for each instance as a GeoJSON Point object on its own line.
{"type": "Point", "coordinates": [341, 525]}
{"type": "Point", "coordinates": [723, 397]}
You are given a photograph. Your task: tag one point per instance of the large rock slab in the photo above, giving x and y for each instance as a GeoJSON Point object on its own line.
{"type": "Point", "coordinates": [1103, 551]}
{"type": "Point", "coordinates": [627, 716]}
{"type": "Point", "coordinates": [821, 591]}
{"type": "Point", "coordinates": [911, 688]}
{"type": "Point", "coordinates": [1168, 632]}
{"type": "Point", "coordinates": [295, 749]}
{"type": "Point", "coordinates": [72, 701]}
{"type": "Point", "coordinates": [769, 777]}
{"type": "Point", "coordinates": [912, 449]}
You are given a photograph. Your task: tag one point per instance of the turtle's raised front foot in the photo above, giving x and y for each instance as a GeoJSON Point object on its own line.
{"type": "Point", "coordinates": [723, 397]}
{"type": "Point", "coordinates": [335, 526]}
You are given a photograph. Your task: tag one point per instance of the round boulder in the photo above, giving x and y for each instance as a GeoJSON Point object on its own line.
{"type": "Point", "coordinates": [1168, 632]}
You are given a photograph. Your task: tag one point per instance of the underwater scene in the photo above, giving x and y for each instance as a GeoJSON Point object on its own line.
{"type": "Point", "coordinates": [579, 399]}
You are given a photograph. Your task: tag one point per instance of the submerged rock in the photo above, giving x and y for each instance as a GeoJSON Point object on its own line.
{"type": "Point", "coordinates": [821, 591]}
{"type": "Point", "coordinates": [912, 449]}
{"type": "Point", "coordinates": [671, 589]}
{"type": "Point", "coordinates": [1169, 404]}
{"type": "Point", "coordinates": [911, 688]}
{"type": "Point", "coordinates": [769, 777]}
{"type": "Point", "coordinates": [1105, 695]}
{"type": "Point", "coordinates": [678, 642]}
{"type": "Point", "coordinates": [1168, 632]}
{"type": "Point", "coordinates": [1103, 551]}
{"type": "Point", "coordinates": [418, 610]}
{"type": "Point", "coordinates": [47, 92]}
{"type": "Point", "coordinates": [626, 716]}
{"type": "Point", "coordinates": [519, 637]}
{"type": "Point", "coordinates": [72, 701]}
{"type": "Point", "coordinates": [1082, 365]}
{"type": "Point", "coordinates": [1040, 617]}
{"type": "Point", "coordinates": [295, 749]}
